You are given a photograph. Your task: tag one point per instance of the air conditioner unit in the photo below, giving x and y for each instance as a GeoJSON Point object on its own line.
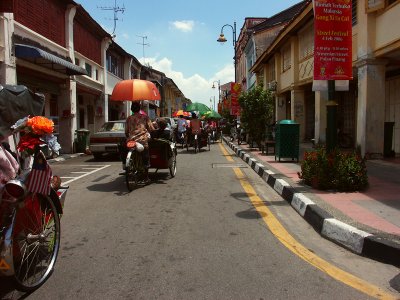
{"type": "Point", "coordinates": [272, 85]}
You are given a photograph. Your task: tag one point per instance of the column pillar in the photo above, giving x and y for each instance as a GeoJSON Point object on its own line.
{"type": "Point", "coordinates": [280, 107]}
{"type": "Point", "coordinates": [8, 67]}
{"type": "Point", "coordinates": [298, 110]}
{"type": "Point", "coordinates": [104, 46]}
{"type": "Point", "coordinates": [321, 98]}
{"type": "Point", "coordinates": [371, 106]}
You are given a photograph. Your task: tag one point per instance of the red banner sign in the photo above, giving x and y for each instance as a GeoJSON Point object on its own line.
{"type": "Point", "coordinates": [235, 91]}
{"type": "Point", "coordinates": [332, 40]}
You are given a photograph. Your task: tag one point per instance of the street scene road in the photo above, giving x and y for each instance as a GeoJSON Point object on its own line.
{"type": "Point", "coordinates": [215, 231]}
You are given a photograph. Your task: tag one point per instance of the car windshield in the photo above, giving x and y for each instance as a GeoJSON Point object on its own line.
{"type": "Point", "coordinates": [113, 126]}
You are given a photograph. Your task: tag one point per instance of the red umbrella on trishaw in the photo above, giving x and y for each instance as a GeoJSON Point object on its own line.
{"type": "Point", "coordinates": [135, 90]}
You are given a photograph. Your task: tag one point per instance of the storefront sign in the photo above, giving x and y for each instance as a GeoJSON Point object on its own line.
{"type": "Point", "coordinates": [332, 40]}
{"type": "Point", "coordinates": [235, 91]}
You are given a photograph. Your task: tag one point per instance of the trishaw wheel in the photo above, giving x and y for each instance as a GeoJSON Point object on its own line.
{"type": "Point", "coordinates": [172, 167]}
{"type": "Point", "coordinates": [131, 174]}
{"type": "Point", "coordinates": [36, 241]}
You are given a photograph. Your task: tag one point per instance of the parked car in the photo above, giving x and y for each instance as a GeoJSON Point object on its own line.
{"type": "Point", "coordinates": [170, 121]}
{"type": "Point", "coordinates": [106, 140]}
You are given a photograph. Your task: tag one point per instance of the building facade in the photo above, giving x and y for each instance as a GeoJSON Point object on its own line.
{"type": "Point", "coordinates": [368, 107]}
{"type": "Point", "coordinates": [55, 47]}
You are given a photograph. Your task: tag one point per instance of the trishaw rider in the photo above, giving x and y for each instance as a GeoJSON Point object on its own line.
{"type": "Point", "coordinates": [195, 125]}
{"type": "Point", "coordinates": [138, 128]}
{"type": "Point", "coordinates": [181, 126]}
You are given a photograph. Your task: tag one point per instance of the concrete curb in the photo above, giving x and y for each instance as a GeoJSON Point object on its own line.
{"type": "Point", "coordinates": [349, 237]}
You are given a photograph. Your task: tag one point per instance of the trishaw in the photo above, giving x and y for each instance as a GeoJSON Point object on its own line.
{"type": "Point", "coordinates": [198, 140]}
{"type": "Point", "coordinates": [162, 156]}
{"type": "Point", "coordinates": [162, 152]}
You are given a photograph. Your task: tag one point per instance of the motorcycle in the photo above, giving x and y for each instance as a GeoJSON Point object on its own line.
{"type": "Point", "coordinates": [31, 200]}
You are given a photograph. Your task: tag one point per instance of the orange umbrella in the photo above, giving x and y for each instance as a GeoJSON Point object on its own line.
{"type": "Point", "coordinates": [135, 90]}
{"type": "Point", "coordinates": [180, 113]}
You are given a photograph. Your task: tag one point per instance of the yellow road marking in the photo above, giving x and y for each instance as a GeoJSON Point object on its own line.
{"type": "Point", "coordinates": [286, 239]}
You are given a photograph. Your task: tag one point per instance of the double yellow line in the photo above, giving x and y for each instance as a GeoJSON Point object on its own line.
{"type": "Point", "coordinates": [286, 239]}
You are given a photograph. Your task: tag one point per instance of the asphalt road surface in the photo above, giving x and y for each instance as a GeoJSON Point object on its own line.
{"type": "Point", "coordinates": [215, 231]}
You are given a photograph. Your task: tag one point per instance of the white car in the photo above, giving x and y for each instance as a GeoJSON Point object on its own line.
{"type": "Point", "coordinates": [107, 139]}
{"type": "Point", "coordinates": [171, 122]}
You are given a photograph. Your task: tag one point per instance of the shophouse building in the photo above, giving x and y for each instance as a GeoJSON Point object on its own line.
{"type": "Point", "coordinates": [369, 107]}
{"type": "Point", "coordinates": [246, 34]}
{"type": "Point", "coordinates": [255, 37]}
{"type": "Point", "coordinates": [56, 48]}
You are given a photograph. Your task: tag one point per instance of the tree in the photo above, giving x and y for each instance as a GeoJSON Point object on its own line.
{"type": "Point", "coordinates": [257, 110]}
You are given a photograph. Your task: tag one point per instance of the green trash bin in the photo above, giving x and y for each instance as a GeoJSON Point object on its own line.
{"type": "Point", "coordinates": [82, 140]}
{"type": "Point", "coordinates": [287, 140]}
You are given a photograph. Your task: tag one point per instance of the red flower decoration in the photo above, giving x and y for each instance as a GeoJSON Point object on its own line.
{"type": "Point", "coordinates": [28, 142]}
{"type": "Point", "coordinates": [41, 125]}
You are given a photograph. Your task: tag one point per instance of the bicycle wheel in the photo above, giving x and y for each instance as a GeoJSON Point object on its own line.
{"type": "Point", "coordinates": [196, 145]}
{"type": "Point", "coordinates": [132, 170]}
{"type": "Point", "coordinates": [36, 241]}
{"type": "Point", "coordinates": [172, 167]}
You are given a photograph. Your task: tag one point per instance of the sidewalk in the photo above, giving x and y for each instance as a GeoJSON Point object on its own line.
{"type": "Point", "coordinates": [367, 223]}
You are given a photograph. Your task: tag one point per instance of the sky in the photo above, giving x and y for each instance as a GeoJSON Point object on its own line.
{"type": "Point", "coordinates": [181, 36]}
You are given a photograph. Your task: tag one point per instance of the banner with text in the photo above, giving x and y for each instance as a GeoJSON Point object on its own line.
{"type": "Point", "coordinates": [236, 88]}
{"type": "Point", "coordinates": [332, 40]}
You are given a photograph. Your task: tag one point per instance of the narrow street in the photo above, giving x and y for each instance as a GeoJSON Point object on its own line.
{"type": "Point", "coordinates": [195, 236]}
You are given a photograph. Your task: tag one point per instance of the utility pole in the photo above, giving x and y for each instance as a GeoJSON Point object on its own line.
{"type": "Point", "coordinates": [143, 44]}
{"type": "Point", "coordinates": [116, 10]}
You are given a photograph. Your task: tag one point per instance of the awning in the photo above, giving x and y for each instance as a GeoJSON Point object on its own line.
{"type": "Point", "coordinates": [47, 60]}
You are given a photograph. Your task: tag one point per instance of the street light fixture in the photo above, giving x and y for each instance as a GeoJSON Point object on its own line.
{"type": "Point", "coordinates": [219, 91]}
{"type": "Point", "coordinates": [222, 39]}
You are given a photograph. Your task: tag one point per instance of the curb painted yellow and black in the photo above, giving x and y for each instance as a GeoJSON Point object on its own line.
{"type": "Point", "coordinates": [358, 241]}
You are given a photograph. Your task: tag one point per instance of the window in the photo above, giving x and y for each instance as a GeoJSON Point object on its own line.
{"type": "Point", "coordinates": [133, 73]}
{"type": "Point", "coordinates": [286, 59]}
{"type": "Point", "coordinates": [271, 70]}
{"type": "Point", "coordinates": [306, 43]}
{"type": "Point", "coordinates": [114, 65]}
{"type": "Point", "coordinates": [88, 68]}
{"type": "Point", "coordinates": [97, 74]}
{"type": "Point", "coordinates": [90, 113]}
{"type": "Point", "coordinates": [354, 12]}
{"type": "Point", "coordinates": [53, 105]}
{"type": "Point", "coordinates": [77, 62]}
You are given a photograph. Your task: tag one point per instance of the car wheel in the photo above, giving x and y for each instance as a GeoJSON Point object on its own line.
{"type": "Point", "coordinates": [97, 155]}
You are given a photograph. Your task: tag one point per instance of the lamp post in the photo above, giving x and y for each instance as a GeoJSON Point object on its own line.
{"type": "Point", "coordinates": [222, 39]}
{"type": "Point", "coordinates": [219, 91]}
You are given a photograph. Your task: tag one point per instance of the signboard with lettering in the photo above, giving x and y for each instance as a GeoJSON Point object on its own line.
{"type": "Point", "coordinates": [235, 91]}
{"type": "Point", "coordinates": [332, 40]}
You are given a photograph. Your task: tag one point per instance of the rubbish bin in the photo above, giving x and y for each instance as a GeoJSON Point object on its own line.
{"type": "Point", "coordinates": [287, 139]}
{"type": "Point", "coordinates": [388, 139]}
{"type": "Point", "coordinates": [82, 140]}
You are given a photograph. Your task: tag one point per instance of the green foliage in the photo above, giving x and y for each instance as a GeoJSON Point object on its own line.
{"type": "Point", "coordinates": [335, 170]}
{"type": "Point", "coordinates": [257, 109]}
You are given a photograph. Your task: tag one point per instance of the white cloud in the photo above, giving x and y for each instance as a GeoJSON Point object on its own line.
{"type": "Point", "coordinates": [195, 87]}
{"type": "Point", "coordinates": [184, 26]}
{"type": "Point", "coordinates": [125, 36]}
